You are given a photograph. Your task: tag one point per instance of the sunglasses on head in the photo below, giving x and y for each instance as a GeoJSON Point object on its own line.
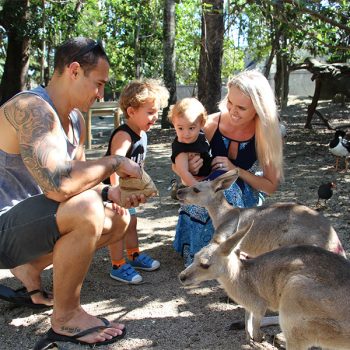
{"type": "Point", "coordinates": [90, 47]}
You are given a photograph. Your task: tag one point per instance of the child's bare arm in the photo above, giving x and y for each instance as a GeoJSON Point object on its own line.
{"type": "Point", "coordinates": [120, 145]}
{"type": "Point", "coordinates": [181, 167]}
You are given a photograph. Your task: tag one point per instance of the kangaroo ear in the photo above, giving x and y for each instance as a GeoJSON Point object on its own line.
{"type": "Point", "coordinates": [225, 180]}
{"type": "Point", "coordinates": [230, 243]}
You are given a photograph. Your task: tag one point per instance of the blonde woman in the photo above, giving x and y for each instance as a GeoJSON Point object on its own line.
{"type": "Point", "coordinates": [244, 135]}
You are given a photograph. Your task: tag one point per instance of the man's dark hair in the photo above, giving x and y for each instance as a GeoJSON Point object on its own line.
{"type": "Point", "coordinates": [85, 51]}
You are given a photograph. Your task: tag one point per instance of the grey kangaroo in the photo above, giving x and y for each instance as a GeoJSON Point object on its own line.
{"type": "Point", "coordinates": [309, 287]}
{"type": "Point", "coordinates": [275, 225]}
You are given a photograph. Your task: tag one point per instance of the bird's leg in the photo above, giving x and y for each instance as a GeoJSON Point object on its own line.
{"type": "Point", "coordinates": [336, 163]}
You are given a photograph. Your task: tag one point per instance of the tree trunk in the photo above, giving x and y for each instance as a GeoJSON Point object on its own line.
{"type": "Point", "coordinates": [137, 58]}
{"type": "Point", "coordinates": [278, 77]}
{"type": "Point", "coordinates": [169, 58]}
{"type": "Point", "coordinates": [14, 18]}
{"type": "Point", "coordinates": [282, 74]}
{"type": "Point", "coordinates": [43, 46]}
{"type": "Point", "coordinates": [276, 32]}
{"type": "Point", "coordinates": [209, 76]}
{"type": "Point", "coordinates": [312, 107]}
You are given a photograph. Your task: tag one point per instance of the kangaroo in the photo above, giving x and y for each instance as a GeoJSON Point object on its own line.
{"type": "Point", "coordinates": [308, 285]}
{"type": "Point", "coordinates": [275, 225]}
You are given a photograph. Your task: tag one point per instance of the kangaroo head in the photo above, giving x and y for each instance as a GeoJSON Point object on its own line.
{"type": "Point", "coordinates": [211, 262]}
{"type": "Point", "coordinates": [204, 266]}
{"type": "Point", "coordinates": [204, 192]}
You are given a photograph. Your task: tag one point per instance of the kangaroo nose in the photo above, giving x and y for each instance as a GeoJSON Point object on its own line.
{"type": "Point", "coordinates": [182, 277]}
{"type": "Point", "coordinates": [179, 193]}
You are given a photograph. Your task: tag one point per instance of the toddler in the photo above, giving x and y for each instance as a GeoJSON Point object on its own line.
{"type": "Point", "coordinates": [188, 117]}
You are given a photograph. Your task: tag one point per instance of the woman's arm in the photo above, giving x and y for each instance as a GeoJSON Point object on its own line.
{"type": "Point", "coordinates": [267, 183]}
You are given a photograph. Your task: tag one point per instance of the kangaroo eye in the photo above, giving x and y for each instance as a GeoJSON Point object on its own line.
{"type": "Point", "coordinates": [196, 190]}
{"type": "Point", "coordinates": [204, 266]}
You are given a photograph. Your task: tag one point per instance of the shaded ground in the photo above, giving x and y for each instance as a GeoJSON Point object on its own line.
{"type": "Point", "coordinates": [160, 314]}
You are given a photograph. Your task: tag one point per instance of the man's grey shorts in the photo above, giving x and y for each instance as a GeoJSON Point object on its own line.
{"type": "Point", "coordinates": [27, 231]}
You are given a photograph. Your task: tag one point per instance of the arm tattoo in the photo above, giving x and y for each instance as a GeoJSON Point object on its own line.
{"type": "Point", "coordinates": [38, 137]}
{"type": "Point", "coordinates": [36, 160]}
{"type": "Point", "coordinates": [117, 163]}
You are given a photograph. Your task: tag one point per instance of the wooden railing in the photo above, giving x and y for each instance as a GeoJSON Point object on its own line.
{"type": "Point", "coordinates": [100, 109]}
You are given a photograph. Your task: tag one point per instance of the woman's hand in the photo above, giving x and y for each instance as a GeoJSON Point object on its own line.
{"type": "Point", "coordinates": [222, 163]}
{"type": "Point", "coordinates": [195, 164]}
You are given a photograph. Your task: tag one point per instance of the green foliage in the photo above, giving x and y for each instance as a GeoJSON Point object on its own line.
{"type": "Point", "coordinates": [132, 33]}
{"type": "Point", "coordinates": [133, 39]}
{"type": "Point", "coordinates": [187, 42]}
{"type": "Point", "coordinates": [232, 61]}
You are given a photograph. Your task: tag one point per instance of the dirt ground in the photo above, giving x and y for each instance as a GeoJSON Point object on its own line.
{"type": "Point", "coordinates": [160, 313]}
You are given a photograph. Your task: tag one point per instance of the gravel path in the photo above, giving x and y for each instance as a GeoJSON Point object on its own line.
{"type": "Point", "coordinates": [160, 313]}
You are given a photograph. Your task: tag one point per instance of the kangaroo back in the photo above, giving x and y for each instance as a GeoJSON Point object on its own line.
{"type": "Point", "coordinates": [276, 225]}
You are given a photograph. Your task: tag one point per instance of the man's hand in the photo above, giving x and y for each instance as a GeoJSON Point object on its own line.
{"type": "Point", "coordinates": [132, 201]}
{"type": "Point", "coordinates": [128, 167]}
{"type": "Point", "coordinates": [135, 200]}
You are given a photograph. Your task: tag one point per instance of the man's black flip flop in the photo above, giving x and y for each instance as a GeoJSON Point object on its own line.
{"type": "Point", "coordinates": [51, 337]}
{"type": "Point", "coordinates": [21, 297]}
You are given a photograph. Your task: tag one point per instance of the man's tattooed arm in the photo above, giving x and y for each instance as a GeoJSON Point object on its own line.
{"type": "Point", "coordinates": [43, 148]}
{"type": "Point", "coordinates": [48, 179]}
{"type": "Point", "coordinates": [36, 128]}
{"type": "Point", "coordinates": [117, 163]}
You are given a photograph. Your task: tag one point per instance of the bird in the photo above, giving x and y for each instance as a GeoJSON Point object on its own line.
{"type": "Point", "coordinates": [283, 130]}
{"type": "Point", "coordinates": [325, 191]}
{"type": "Point", "coordinates": [340, 147]}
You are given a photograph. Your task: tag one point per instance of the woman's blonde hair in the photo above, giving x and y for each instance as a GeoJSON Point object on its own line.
{"type": "Point", "coordinates": [189, 106]}
{"type": "Point", "coordinates": [137, 92]}
{"type": "Point", "coordinates": [268, 140]}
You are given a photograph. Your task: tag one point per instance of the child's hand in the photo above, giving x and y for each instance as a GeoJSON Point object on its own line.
{"type": "Point", "coordinates": [118, 209]}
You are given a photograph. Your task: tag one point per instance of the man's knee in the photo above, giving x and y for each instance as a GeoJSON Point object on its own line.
{"type": "Point", "coordinates": [83, 211]}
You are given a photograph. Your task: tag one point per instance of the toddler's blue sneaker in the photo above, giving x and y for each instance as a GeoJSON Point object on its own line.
{"type": "Point", "coordinates": [126, 273]}
{"type": "Point", "coordinates": [144, 262]}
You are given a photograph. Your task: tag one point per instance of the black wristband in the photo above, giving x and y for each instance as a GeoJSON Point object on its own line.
{"type": "Point", "coordinates": [104, 194]}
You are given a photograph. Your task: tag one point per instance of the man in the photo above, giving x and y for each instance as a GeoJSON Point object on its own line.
{"type": "Point", "coordinates": [51, 210]}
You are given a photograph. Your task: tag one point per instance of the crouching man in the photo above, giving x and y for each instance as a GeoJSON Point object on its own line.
{"type": "Point", "coordinates": [52, 203]}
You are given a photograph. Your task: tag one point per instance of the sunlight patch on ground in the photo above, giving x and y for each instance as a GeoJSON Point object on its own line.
{"type": "Point", "coordinates": [223, 306]}
{"type": "Point", "coordinates": [154, 309]}
{"type": "Point", "coordinates": [29, 320]}
{"type": "Point", "coordinates": [200, 290]}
